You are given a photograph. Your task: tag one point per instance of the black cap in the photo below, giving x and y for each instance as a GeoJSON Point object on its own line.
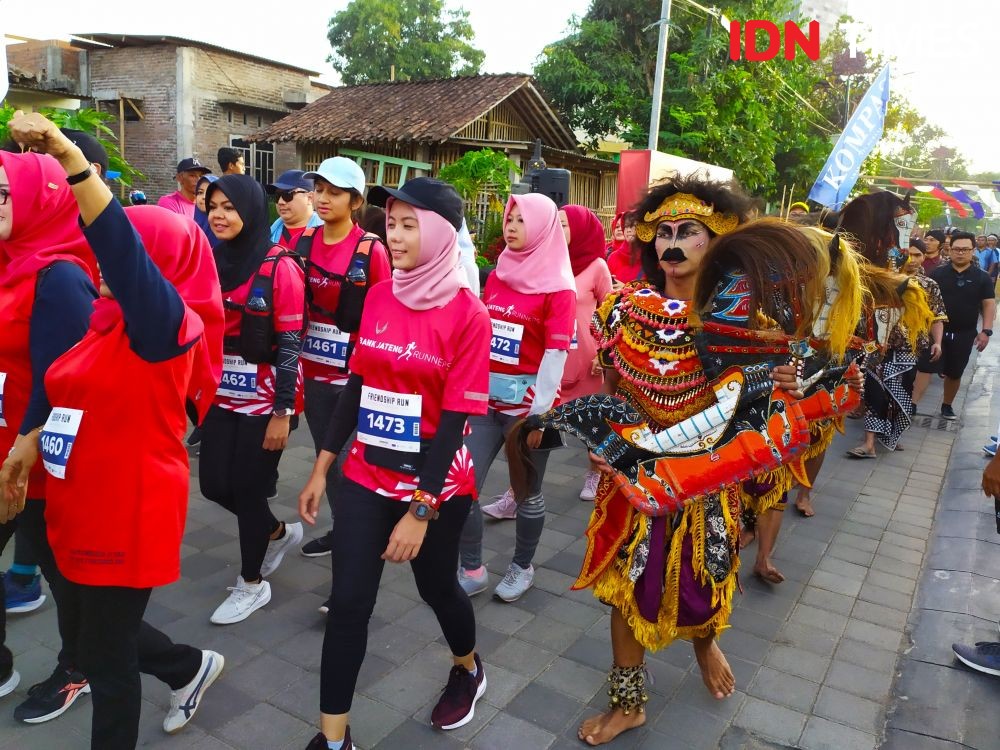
{"type": "Point", "coordinates": [92, 148]}
{"type": "Point", "coordinates": [290, 180]}
{"type": "Point", "coordinates": [427, 193]}
{"type": "Point", "coordinates": [192, 163]}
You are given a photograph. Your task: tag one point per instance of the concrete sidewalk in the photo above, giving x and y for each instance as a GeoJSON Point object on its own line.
{"type": "Point", "coordinates": [815, 657]}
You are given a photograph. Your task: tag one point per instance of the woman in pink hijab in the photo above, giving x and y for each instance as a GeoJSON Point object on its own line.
{"type": "Point", "coordinates": [419, 371]}
{"type": "Point", "coordinates": [583, 376]}
{"type": "Point", "coordinates": [531, 298]}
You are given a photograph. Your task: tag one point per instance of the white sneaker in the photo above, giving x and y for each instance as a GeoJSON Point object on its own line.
{"type": "Point", "coordinates": [473, 581]}
{"type": "Point", "coordinates": [185, 701]}
{"type": "Point", "coordinates": [590, 482]}
{"type": "Point", "coordinates": [277, 548]}
{"type": "Point", "coordinates": [8, 685]}
{"type": "Point", "coordinates": [244, 599]}
{"type": "Point", "coordinates": [504, 508]}
{"type": "Point", "coordinates": [515, 583]}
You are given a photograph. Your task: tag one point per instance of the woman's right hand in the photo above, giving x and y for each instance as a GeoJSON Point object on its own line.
{"type": "Point", "coordinates": [14, 475]}
{"type": "Point", "coordinates": [310, 496]}
{"type": "Point", "coordinates": [40, 134]}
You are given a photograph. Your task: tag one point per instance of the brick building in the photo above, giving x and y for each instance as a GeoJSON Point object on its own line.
{"type": "Point", "coordinates": [177, 97]}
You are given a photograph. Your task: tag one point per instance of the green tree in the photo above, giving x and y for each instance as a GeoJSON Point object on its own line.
{"type": "Point", "coordinates": [753, 117]}
{"type": "Point", "coordinates": [418, 37]}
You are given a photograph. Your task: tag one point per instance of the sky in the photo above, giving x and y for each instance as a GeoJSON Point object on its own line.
{"type": "Point", "coordinates": [946, 52]}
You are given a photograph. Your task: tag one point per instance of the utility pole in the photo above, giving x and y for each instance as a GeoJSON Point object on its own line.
{"type": "Point", "coordinates": [661, 63]}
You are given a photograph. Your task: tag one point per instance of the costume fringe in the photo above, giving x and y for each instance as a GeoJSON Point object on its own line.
{"type": "Point", "coordinates": [781, 480]}
{"type": "Point", "coordinates": [613, 587]}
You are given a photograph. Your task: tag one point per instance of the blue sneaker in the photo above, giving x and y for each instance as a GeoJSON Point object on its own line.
{"type": "Point", "coordinates": [983, 657]}
{"type": "Point", "coordinates": [990, 449]}
{"type": "Point", "coordinates": [20, 598]}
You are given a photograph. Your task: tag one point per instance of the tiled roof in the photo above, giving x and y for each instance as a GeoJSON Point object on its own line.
{"type": "Point", "coordinates": [429, 111]}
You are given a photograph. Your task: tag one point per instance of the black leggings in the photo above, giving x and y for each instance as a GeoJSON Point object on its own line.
{"type": "Point", "coordinates": [365, 520]}
{"type": "Point", "coordinates": [30, 527]}
{"type": "Point", "coordinates": [235, 471]}
{"type": "Point", "coordinates": [115, 645]}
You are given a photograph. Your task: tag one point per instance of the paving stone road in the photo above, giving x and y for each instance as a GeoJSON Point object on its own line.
{"type": "Point", "coordinates": [849, 652]}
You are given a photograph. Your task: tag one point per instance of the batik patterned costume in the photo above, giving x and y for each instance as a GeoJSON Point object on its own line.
{"type": "Point", "coordinates": [671, 576]}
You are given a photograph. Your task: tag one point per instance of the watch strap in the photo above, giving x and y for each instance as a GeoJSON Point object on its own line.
{"type": "Point", "coordinates": [422, 496]}
{"type": "Point", "coordinates": [79, 177]}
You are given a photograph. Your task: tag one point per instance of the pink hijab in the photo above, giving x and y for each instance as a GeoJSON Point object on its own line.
{"type": "Point", "coordinates": [437, 278]}
{"type": "Point", "coordinates": [543, 265]}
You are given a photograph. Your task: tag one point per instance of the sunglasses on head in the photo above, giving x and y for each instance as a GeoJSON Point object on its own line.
{"type": "Point", "coordinates": [287, 195]}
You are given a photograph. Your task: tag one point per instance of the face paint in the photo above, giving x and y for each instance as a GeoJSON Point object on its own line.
{"type": "Point", "coordinates": [904, 225]}
{"type": "Point", "coordinates": [673, 255]}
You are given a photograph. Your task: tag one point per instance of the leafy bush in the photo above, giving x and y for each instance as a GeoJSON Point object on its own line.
{"type": "Point", "coordinates": [89, 121]}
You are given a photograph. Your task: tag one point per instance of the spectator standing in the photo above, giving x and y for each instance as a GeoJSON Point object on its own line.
{"type": "Point", "coordinates": [231, 161]}
{"type": "Point", "coordinates": [968, 293]}
{"type": "Point", "coordinates": [181, 201]}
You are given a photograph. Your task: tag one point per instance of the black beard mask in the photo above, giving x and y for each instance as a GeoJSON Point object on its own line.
{"type": "Point", "coordinates": [673, 255]}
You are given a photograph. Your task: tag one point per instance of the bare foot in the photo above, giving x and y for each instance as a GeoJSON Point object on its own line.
{"type": "Point", "coordinates": [766, 571]}
{"type": "Point", "coordinates": [747, 537]}
{"type": "Point", "coordinates": [803, 503]}
{"type": "Point", "coordinates": [597, 730]}
{"type": "Point", "coordinates": [715, 671]}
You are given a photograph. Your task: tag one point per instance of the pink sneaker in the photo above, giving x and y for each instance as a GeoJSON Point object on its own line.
{"type": "Point", "coordinates": [504, 508]}
{"type": "Point", "coordinates": [590, 482]}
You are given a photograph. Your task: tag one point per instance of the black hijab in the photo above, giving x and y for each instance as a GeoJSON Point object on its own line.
{"type": "Point", "coordinates": [239, 258]}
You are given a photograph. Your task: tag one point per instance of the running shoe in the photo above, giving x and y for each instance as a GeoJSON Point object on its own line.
{"type": "Point", "coordinates": [9, 682]}
{"type": "Point", "coordinates": [990, 449]}
{"type": "Point", "coordinates": [22, 597]}
{"type": "Point", "coordinates": [324, 608]}
{"type": "Point", "coordinates": [51, 698]}
{"type": "Point", "coordinates": [983, 657]}
{"type": "Point", "coordinates": [185, 701]}
{"type": "Point", "coordinates": [319, 547]}
{"type": "Point", "coordinates": [457, 704]}
{"type": "Point", "coordinates": [517, 581]}
{"type": "Point", "coordinates": [947, 412]}
{"type": "Point", "coordinates": [277, 548]}
{"type": "Point", "coordinates": [319, 742]}
{"type": "Point", "coordinates": [195, 437]}
{"type": "Point", "coordinates": [590, 482]}
{"type": "Point", "coordinates": [473, 581]}
{"type": "Point", "coordinates": [244, 599]}
{"type": "Point", "coordinates": [504, 507]}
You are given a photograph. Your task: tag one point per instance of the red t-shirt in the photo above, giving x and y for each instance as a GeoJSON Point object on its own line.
{"type": "Point", "coordinates": [247, 388]}
{"type": "Point", "coordinates": [15, 370]}
{"type": "Point", "coordinates": [324, 347]}
{"type": "Point", "coordinates": [117, 494]}
{"type": "Point", "coordinates": [293, 237]}
{"type": "Point", "coordinates": [524, 326]}
{"type": "Point", "coordinates": [416, 364]}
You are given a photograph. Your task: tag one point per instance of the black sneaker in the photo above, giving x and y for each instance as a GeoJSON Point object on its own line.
{"type": "Point", "coordinates": [51, 698]}
{"type": "Point", "coordinates": [319, 741]}
{"type": "Point", "coordinates": [195, 437]}
{"type": "Point", "coordinates": [947, 412]}
{"type": "Point", "coordinates": [318, 547]}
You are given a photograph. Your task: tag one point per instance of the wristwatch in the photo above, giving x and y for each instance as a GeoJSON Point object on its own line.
{"type": "Point", "coordinates": [282, 412]}
{"type": "Point", "coordinates": [424, 506]}
{"type": "Point", "coordinates": [987, 331]}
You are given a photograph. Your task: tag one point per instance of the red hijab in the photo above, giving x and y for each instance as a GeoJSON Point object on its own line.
{"type": "Point", "coordinates": [181, 251]}
{"type": "Point", "coordinates": [586, 237]}
{"type": "Point", "coordinates": [622, 244]}
{"type": "Point", "coordinates": [44, 219]}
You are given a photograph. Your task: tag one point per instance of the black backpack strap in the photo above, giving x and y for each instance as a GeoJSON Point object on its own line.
{"type": "Point", "coordinates": [303, 245]}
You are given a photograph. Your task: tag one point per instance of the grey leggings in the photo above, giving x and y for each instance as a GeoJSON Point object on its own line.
{"type": "Point", "coordinates": [485, 442]}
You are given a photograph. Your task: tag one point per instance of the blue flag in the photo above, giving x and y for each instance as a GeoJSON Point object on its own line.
{"type": "Point", "coordinates": [863, 131]}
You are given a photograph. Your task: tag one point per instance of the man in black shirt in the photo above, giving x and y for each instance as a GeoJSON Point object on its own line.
{"type": "Point", "coordinates": [968, 293]}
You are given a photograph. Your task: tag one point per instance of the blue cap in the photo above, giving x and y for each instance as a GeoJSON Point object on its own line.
{"type": "Point", "coordinates": [293, 179]}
